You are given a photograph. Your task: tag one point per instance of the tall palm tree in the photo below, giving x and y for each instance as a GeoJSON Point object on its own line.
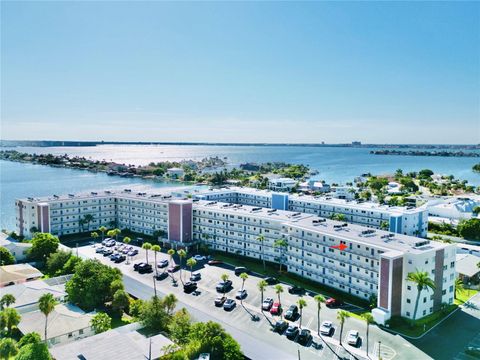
{"type": "Point", "coordinates": [117, 232]}
{"type": "Point", "coordinates": [46, 305]}
{"type": "Point", "coordinates": [87, 219]}
{"type": "Point", "coordinates": [301, 304]}
{"type": "Point", "coordinates": [146, 246]}
{"type": "Point", "coordinates": [111, 233]}
{"type": "Point", "coordinates": [7, 300]}
{"type": "Point", "coordinates": [262, 285]}
{"type": "Point", "coordinates": [171, 252]}
{"type": "Point", "coordinates": [94, 236]}
{"type": "Point", "coordinates": [191, 264]}
{"type": "Point", "coordinates": [369, 320]}
{"type": "Point", "coordinates": [423, 281]}
{"type": "Point", "coordinates": [155, 249]}
{"type": "Point", "coordinates": [170, 302]}
{"type": "Point", "coordinates": [181, 254]}
{"type": "Point", "coordinates": [244, 277]}
{"type": "Point", "coordinates": [319, 299]}
{"type": "Point", "coordinates": [278, 291]}
{"type": "Point", "coordinates": [342, 315]}
{"type": "Point", "coordinates": [102, 229]}
{"type": "Point", "coordinates": [282, 244]}
{"type": "Point", "coordinates": [224, 278]}
{"type": "Point", "coordinates": [459, 287]}
{"type": "Point", "coordinates": [261, 238]}
{"type": "Point", "coordinates": [127, 241]}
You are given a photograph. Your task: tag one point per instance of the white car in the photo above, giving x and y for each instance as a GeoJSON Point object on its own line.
{"type": "Point", "coordinates": [199, 257]}
{"type": "Point", "coordinates": [326, 328]}
{"type": "Point", "coordinates": [353, 337]}
{"type": "Point", "coordinates": [195, 276]}
{"type": "Point", "coordinates": [241, 294]}
{"type": "Point", "coordinates": [267, 304]}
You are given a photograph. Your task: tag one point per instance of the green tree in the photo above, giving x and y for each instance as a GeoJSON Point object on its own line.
{"type": "Point", "coordinates": [262, 285]}
{"type": "Point", "coordinates": [43, 244]}
{"type": "Point", "coordinates": [102, 229]}
{"type": "Point", "coordinates": [56, 262]}
{"type": "Point", "coordinates": [423, 281]}
{"type": "Point", "coordinates": [7, 300]}
{"type": "Point", "coordinates": [6, 257]}
{"type": "Point", "coordinates": [261, 239]}
{"type": "Point", "coordinates": [101, 322]}
{"type": "Point", "coordinates": [147, 246]}
{"type": "Point", "coordinates": [170, 253]}
{"type": "Point", "coordinates": [301, 304]}
{"type": "Point", "coordinates": [135, 308]}
{"type": "Point", "coordinates": [127, 241]}
{"type": "Point", "coordinates": [179, 326]}
{"type": "Point", "coordinates": [89, 287]}
{"type": "Point", "coordinates": [476, 210]}
{"type": "Point", "coordinates": [120, 301]}
{"type": "Point", "coordinates": [156, 249]}
{"type": "Point", "coordinates": [282, 244]}
{"type": "Point", "coordinates": [8, 348]}
{"type": "Point", "coordinates": [470, 229]}
{"type": "Point", "coordinates": [69, 267]}
{"type": "Point", "coordinates": [224, 278]}
{"type": "Point", "coordinates": [278, 290]}
{"type": "Point", "coordinates": [94, 236]}
{"type": "Point", "coordinates": [170, 302]}
{"type": "Point", "coordinates": [342, 315]}
{"type": "Point", "coordinates": [181, 254]}
{"type": "Point", "coordinates": [46, 304]}
{"type": "Point", "coordinates": [87, 219]}
{"type": "Point", "coordinates": [211, 338]}
{"type": "Point", "coordinates": [154, 315]}
{"type": "Point", "coordinates": [38, 351]}
{"type": "Point", "coordinates": [29, 338]}
{"type": "Point", "coordinates": [9, 317]}
{"type": "Point", "coordinates": [368, 320]}
{"type": "Point", "coordinates": [459, 287]}
{"type": "Point", "coordinates": [191, 262]}
{"type": "Point", "coordinates": [425, 174]}
{"type": "Point", "coordinates": [319, 299]}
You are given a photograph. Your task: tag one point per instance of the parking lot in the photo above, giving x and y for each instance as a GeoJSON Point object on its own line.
{"type": "Point", "coordinates": [201, 304]}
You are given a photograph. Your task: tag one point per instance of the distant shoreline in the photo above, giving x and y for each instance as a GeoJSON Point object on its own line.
{"type": "Point", "coordinates": [425, 153]}
{"type": "Point", "coordinates": [72, 143]}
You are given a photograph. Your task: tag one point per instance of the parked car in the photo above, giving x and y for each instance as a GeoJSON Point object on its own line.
{"type": "Point", "coordinates": [137, 265]}
{"type": "Point", "coordinates": [110, 243]}
{"type": "Point", "coordinates": [296, 290]}
{"type": "Point", "coordinates": [326, 328]}
{"type": "Point", "coordinates": [304, 337]}
{"type": "Point", "coordinates": [105, 241]}
{"type": "Point", "coordinates": [276, 309]}
{"type": "Point", "coordinates": [280, 326]}
{"type": "Point", "coordinates": [241, 294]}
{"type": "Point", "coordinates": [162, 264]}
{"type": "Point", "coordinates": [229, 304]}
{"type": "Point", "coordinates": [119, 258]}
{"type": "Point", "coordinates": [195, 276]}
{"type": "Point", "coordinates": [353, 337]}
{"type": "Point", "coordinates": [292, 312]}
{"type": "Point", "coordinates": [267, 304]}
{"type": "Point", "coordinates": [215, 262]}
{"type": "Point", "coordinates": [100, 250]}
{"type": "Point", "coordinates": [240, 269]}
{"type": "Point", "coordinates": [292, 332]}
{"type": "Point", "coordinates": [219, 300]}
{"type": "Point", "coordinates": [126, 250]}
{"type": "Point", "coordinates": [199, 257]}
{"type": "Point", "coordinates": [271, 280]}
{"type": "Point", "coordinates": [224, 286]}
{"type": "Point", "coordinates": [113, 256]}
{"type": "Point", "coordinates": [107, 252]}
{"type": "Point", "coordinates": [133, 252]}
{"type": "Point", "coordinates": [173, 268]}
{"type": "Point", "coordinates": [145, 268]}
{"type": "Point", "coordinates": [161, 276]}
{"type": "Point", "coordinates": [190, 286]}
{"type": "Point", "coordinates": [333, 302]}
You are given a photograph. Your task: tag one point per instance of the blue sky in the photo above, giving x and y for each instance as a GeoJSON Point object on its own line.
{"type": "Point", "coordinates": [386, 72]}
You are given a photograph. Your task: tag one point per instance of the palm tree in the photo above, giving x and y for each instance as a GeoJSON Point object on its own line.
{"type": "Point", "coordinates": [369, 320]}
{"type": "Point", "coordinates": [116, 233]}
{"type": "Point", "coordinates": [459, 287]}
{"type": "Point", "coordinates": [94, 236]}
{"type": "Point", "coordinates": [146, 246]}
{"type": "Point", "coordinates": [10, 318]}
{"type": "Point", "coordinates": [278, 291]}
{"type": "Point", "coordinates": [127, 241]}
{"type": "Point", "coordinates": [282, 244]}
{"type": "Point", "coordinates": [170, 252]}
{"type": "Point", "coordinates": [170, 302]}
{"type": "Point", "coordinates": [319, 299]}
{"type": "Point", "coordinates": [181, 254]}
{"type": "Point", "coordinates": [261, 238]}
{"type": "Point", "coordinates": [342, 315]}
{"type": "Point", "coordinates": [262, 285]}
{"type": "Point", "coordinates": [224, 278]}
{"type": "Point", "coordinates": [191, 264]}
{"type": "Point", "coordinates": [46, 305]}
{"type": "Point", "coordinates": [301, 304]}
{"type": "Point", "coordinates": [155, 249]}
{"type": "Point", "coordinates": [423, 281]}
{"type": "Point", "coordinates": [87, 219]}
{"type": "Point", "coordinates": [8, 348]}
{"type": "Point", "coordinates": [244, 277]}
{"type": "Point", "coordinates": [102, 229]}
{"type": "Point", "coordinates": [111, 233]}
{"type": "Point", "coordinates": [7, 300]}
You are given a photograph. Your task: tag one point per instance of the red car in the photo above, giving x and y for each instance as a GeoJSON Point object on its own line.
{"type": "Point", "coordinates": [276, 309]}
{"type": "Point", "coordinates": [173, 268]}
{"type": "Point", "coordinates": [333, 302]}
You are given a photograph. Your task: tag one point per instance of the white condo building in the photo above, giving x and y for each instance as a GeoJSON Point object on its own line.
{"type": "Point", "coordinates": [355, 259]}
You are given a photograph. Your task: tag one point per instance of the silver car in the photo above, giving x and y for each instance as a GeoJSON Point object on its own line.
{"type": "Point", "coordinates": [326, 328]}
{"type": "Point", "coordinates": [353, 337]}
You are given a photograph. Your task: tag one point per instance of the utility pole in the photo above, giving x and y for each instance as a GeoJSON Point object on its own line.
{"type": "Point", "coordinates": [379, 347]}
{"type": "Point", "coordinates": [154, 285]}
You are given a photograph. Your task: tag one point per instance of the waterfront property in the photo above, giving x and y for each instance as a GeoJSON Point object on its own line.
{"type": "Point", "coordinates": [361, 261]}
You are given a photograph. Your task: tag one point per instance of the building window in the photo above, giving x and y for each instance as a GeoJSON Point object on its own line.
{"type": "Point", "coordinates": [408, 301]}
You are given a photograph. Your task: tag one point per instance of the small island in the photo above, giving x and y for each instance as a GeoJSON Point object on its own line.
{"type": "Point", "coordinates": [425, 153]}
{"type": "Point", "coordinates": [476, 168]}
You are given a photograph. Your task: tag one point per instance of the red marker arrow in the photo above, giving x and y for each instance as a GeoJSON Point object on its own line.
{"type": "Point", "coordinates": [341, 247]}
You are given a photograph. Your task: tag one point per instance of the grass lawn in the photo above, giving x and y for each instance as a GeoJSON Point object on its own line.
{"type": "Point", "coordinates": [273, 270]}
{"type": "Point", "coordinates": [464, 296]}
